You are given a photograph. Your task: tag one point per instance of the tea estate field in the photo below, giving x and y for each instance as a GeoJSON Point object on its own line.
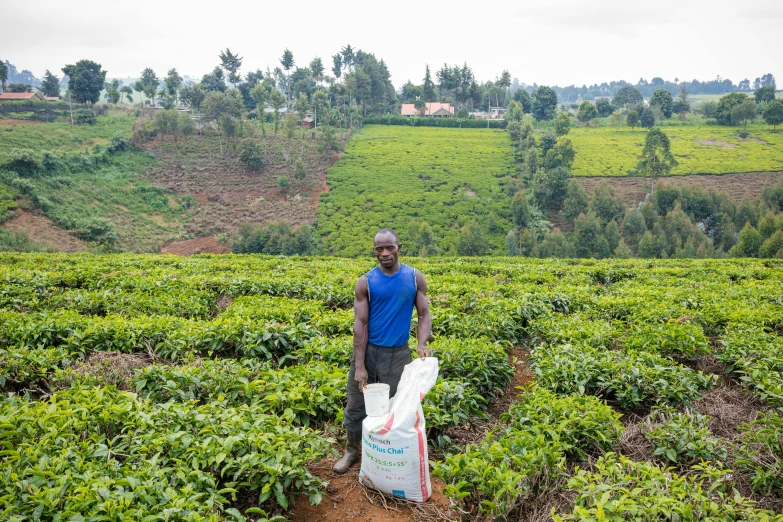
{"type": "Point", "coordinates": [158, 388]}
{"type": "Point", "coordinates": [395, 174]}
{"type": "Point", "coordinates": [699, 149]}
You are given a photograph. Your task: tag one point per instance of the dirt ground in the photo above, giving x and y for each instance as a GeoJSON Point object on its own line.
{"type": "Point", "coordinates": [44, 232]}
{"type": "Point", "coordinates": [227, 194]}
{"type": "Point", "coordinates": [190, 247]}
{"type": "Point", "coordinates": [346, 499]}
{"type": "Point", "coordinates": [737, 186]}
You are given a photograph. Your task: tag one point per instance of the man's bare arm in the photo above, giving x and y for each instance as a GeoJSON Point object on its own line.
{"type": "Point", "coordinates": [424, 326]}
{"type": "Point", "coordinates": [361, 313]}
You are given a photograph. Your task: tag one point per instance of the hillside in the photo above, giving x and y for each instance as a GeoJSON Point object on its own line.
{"type": "Point", "coordinates": [142, 199]}
{"type": "Point", "coordinates": [393, 175]}
{"type": "Point", "coordinates": [224, 194]}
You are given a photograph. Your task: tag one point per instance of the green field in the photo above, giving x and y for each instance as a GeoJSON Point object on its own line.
{"type": "Point", "coordinates": [203, 388]}
{"type": "Point", "coordinates": [705, 149]}
{"type": "Point", "coordinates": [61, 136]}
{"type": "Point", "coordinates": [390, 176]}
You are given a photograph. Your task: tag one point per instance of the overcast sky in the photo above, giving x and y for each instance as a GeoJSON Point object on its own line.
{"type": "Point", "coordinates": [549, 42]}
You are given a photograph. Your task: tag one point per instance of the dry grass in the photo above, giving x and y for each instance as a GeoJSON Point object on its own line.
{"type": "Point", "coordinates": [112, 368]}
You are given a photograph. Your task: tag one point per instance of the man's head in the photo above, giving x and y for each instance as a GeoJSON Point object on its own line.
{"type": "Point", "coordinates": [386, 247]}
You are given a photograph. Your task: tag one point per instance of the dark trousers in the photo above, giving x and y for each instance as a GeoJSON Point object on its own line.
{"type": "Point", "coordinates": [383, 365]}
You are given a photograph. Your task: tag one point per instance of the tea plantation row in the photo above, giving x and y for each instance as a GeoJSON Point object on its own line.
{"type": "Point", "coordinates": [244, 367]}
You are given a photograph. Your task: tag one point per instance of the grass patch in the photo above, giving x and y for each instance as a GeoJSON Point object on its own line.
{"type": "Point", "coordinates": [61, 136]}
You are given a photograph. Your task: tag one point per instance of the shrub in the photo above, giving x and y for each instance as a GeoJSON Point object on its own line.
{"type": "Point", "coordinates": [251, 155]}
{"type": "Point", "coordinates": [25, 162]}
{"type": "Point", "coordinates": [617, 488]}
{"type": "Point", "coordinates": [583, 423]}
{"type": "Point", "coordinates": [761, 453]}
{"type": "Point", "coordinates": [683, 438]}
{"type": "Point", "coordinates": [84, 117]}
{"type": "Point", "coordinates": [97, 229]}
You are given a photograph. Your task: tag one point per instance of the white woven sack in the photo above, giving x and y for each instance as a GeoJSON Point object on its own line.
{"type": "Point", "coordinates": [394, 446]}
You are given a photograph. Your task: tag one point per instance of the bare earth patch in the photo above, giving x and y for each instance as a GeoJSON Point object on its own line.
{"type": "Point", "coordinates": [738, 186]}
{"type": "Point", "coordinates": [190, 247]}
{"type": "Point", "coordinates": [718, 143]}
{"type": "Point", "coordinates": [44, 232]}
{"type": "Point", "coordinates": [229, 195]}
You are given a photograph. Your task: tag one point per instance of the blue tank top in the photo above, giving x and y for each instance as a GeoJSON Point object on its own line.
{"type": "Point", "coordinates": [392, 298]}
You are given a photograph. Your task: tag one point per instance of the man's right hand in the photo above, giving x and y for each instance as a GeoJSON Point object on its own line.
{"type": "Point", "coordinates": [360, 376]}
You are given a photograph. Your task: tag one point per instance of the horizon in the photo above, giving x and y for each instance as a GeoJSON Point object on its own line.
{"type": "Point", "coordinates": [536, 44]}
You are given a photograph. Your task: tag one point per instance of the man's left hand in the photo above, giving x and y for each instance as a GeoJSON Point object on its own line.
{"type": "Point", "coordinates": [423, 352]}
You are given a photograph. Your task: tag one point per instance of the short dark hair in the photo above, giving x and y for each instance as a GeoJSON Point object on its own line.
{"type": "Point", "coordinates": [388, 231]}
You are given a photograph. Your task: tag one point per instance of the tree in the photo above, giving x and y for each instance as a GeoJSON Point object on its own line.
{"type": "Point", "coordinates": [150, 82]}
{"type": "Point", "coordinates": [708, 109]}
{"type": "Point", "coordinates": [589, 237]}
{"type": "Point", "coordinates": [605, 204]}
{"type": "Point", "coordinates": [113, 92]}
{"type": "Point", "coordinates": [562, 154]}
{"type": "Point", "coordinates": [428, 87]}
{"type": "Point", "coordinates": [192, 96]}
{"type": "Point", "coordinates": [617, 120]}
{"type": "Point", "coordinates": [626, 96]}
{"type": "Point", "coordinates": [632, 120]}
{"type": "Point", "coordinates": [128, 92]}
{"type": "Point", "coordinates": [773, 114]}
{"type": "Point", "coordinates": [214, 81]}
{"type": "Point", "coordinates": [576, 201]}
{"type": "Point", "coordinates": [521, 96]}
{"type": "Point", "coordinates": [749, 243]}
{"type": "Point", "coordinates": [251, 155]}
{"type": "Point", "coordinates": [316, 69]}
{"type": "Point", "coordinates": [3, 75]}
{"type": "Point", "coordinates": [287, 61]}
{"type": "Point", "coordinates": [231, 63]}
{"type": "Point", "coordinates": [726, 104]}
{"type": "Point", "coordinates": [647, 118]}
{"type": "Point", "coordinates": [139, 87]}
{"type": "Point", "coordinates": [765, 94]}
{"type": "Point", "coordinates": [19, 87]}
{"type": "Point", "coordinates": [86, 80]}
{"type": "Point", "coordinates": [544, 104]}
{"type": "Point", "coordinates": [420, 105]}
{"type": "Point", "coordinates": [301, 106]}
{"type": "Point", "coordinates": [634, 227]}
{"type": "Point", "coordinates": [472, 241]}
{"type": "Point", "coordinates": [656, 159]}
{"type": "Point", "coordinates": [604, 107]}
{"type": "Point", "coordinates": [50, 86]}
{"type": "Point", "coordinates": [319, 102]}
{"type": "Point", "coordinates": [337, 65]}
{"type": "Point", "coordinates": [504, 83]}
{"type": "Point", "coordinates": [663, 99]}
{"type": "Point", "coordinates": [520, 210]}
{"type": "Point", "coordinates": [743, 112]}
{"type": "Point", "coordinates": [587, 112]}
{"type": "Point", "coordinates": [276, 101]}
{"type": "Point", "coordinates": [562, 123]}
{"type": "Point", "coordinates": [173, 82]}
{"type": "Point", "coordinates": [422, 239]}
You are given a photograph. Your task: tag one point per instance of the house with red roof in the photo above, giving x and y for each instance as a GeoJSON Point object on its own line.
{"type": "Point", "coordinates": [431, 110]}
{"type": "Point", "coordinates": [17, 96]}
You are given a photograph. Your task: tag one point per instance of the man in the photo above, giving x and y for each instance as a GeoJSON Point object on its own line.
{"type": "Point", "coordinates": [383, 308]}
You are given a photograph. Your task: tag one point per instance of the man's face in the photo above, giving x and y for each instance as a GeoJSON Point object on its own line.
{"type": "Point", "coordinates": [386, 249]}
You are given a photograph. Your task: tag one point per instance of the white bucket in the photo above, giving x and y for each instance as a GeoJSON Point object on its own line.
{"type": "Point", "coordinates": [376, 399]}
